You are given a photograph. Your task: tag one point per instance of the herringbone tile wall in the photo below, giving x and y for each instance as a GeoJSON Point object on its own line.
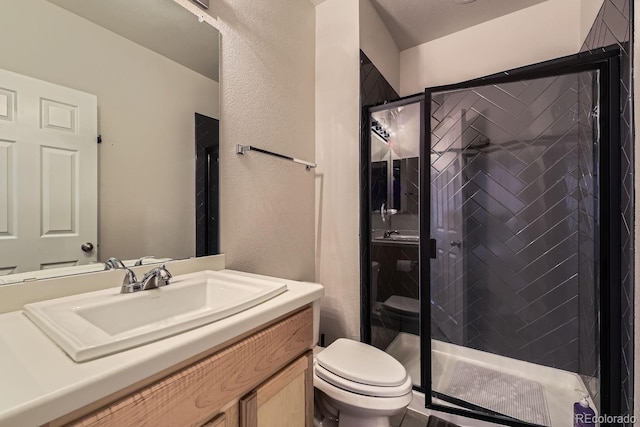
{"type": "Point", "coordinates": [510, 181]}
{"type": "Point", "coordinates": [614, 26]}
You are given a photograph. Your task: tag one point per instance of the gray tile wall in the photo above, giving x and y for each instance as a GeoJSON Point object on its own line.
{"type": "Point", "coordinates": [517, 186]}
{"type": "Point", "coordinates": [614, 26]}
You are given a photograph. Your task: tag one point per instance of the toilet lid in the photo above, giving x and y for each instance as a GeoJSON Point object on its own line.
{"type": "Point", "coordinates": [362, 389]}
{"type": "Point", "coordinates": [362, 363]}
{"type": "Point", "coordinates": [403, 305]}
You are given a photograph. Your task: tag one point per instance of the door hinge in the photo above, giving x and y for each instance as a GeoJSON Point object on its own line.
{"type": "Point", "coordinates": [99, 139]}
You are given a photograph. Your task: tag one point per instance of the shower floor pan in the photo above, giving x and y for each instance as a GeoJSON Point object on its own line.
{"type": "Point", "coordinates": [557, 386]}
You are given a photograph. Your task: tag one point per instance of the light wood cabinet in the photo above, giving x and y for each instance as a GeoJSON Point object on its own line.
{"type": "Point", "coordinates": [285, 400]}
{"type": "Point", "coordinates": [263, 380]}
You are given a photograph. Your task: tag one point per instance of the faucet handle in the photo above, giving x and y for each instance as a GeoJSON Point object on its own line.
{"type": "Point", "coordinates": [163, 276]}
{"type": "Point", "coordinates": [130, 282]}
{"type": "Point", "coordinates": [129, 277]}
{"type": "Point", "coordinates": [113, 263]}
{"type": "Point", "coordinates": [156, 278]}
{"type": "Point", "coordinates": [140, 260]}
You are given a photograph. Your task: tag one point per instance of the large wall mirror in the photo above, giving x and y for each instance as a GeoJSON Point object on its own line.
{"type": "Point", "coordinates": [140, 76]}
{"type": "Point", "coordinates": [395, 150]}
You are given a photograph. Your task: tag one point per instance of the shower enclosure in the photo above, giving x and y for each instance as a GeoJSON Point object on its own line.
{"type": "Point", "coordinates": [492, 210]}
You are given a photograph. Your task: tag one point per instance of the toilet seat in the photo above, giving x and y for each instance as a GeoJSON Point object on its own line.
{"type": "Point", "coordinates": [363, 369]}
{"type": "Point", "coordinates": [363, 389]}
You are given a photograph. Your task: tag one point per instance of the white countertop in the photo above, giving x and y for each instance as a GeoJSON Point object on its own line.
{"type": "Point", "coordinates": [39, 382]}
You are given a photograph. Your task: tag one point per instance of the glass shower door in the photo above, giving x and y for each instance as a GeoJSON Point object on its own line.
{"type": "Point", "coordinates": [395, 136]}
{"type": "Point", "coordinates": [514, 218]}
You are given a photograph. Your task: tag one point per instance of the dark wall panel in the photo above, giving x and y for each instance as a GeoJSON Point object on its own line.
{"type": "Point", "coordinates": [207, 185]}
{"type": "Point", "coordinates": [374, 90]}
{"type": "Point", "coordinates": [614, 26]}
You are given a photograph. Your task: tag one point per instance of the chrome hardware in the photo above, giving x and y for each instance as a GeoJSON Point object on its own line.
{"type": "Point", "coordinates": [114, 263]}
{"type": "Point", "coordinates": [456, 243]}
{"type": "Point", "coordinates": [241, 149]}
{"type": "Point", "coordinates": [130, 283]}
{"type": "Point", "coordinates": [139, 261]}
{"type": "Point", "coordinates": [87, 247]}
{"type": "Point", "coordinates": [385, 213]}
{"type": "Point", "coordinates": [156, 278]}
{"type": "Point", "coordinates": [388, 233]}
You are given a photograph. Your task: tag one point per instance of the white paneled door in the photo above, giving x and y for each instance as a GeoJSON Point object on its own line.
{"type": "Point", "coordinates": [48, 175]}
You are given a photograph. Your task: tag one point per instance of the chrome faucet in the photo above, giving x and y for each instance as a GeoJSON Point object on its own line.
{"type": "Point", "coordinates": [156, 278]}
{"type": "Point", "coordinates": [114, 263]}
{"type": "Point", "coordinates": [130, 283]}
{"type": "Point", "coordinates": [386, 213]}
{"type": "Point", "coordinates": [388, 233]}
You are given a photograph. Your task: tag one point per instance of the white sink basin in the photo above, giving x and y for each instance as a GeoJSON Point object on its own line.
{"type": "Point", "coordinates": [95, 324]}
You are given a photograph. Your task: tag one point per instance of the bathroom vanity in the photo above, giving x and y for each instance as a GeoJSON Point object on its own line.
{"type": "Point", "coordinates": [265, 378]}
{"type": "Point", "coordinates": [249, 368]}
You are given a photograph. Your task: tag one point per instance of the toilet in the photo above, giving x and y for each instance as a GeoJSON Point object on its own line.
{"type": "Point", "coordinates": [358, 385]}
{"type": "Point", "coordinates": [398, 312]}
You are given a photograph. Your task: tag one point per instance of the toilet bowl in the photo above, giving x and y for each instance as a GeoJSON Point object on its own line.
{"type": "Point", "coordinates": [358, 385]}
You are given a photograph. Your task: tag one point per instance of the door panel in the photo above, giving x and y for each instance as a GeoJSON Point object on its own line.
{"type": "Point", "coordinates": [48, 184]}
{"type": "Point", "coordinates": [514, 209]}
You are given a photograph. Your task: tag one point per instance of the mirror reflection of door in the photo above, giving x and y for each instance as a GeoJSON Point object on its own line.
{"type": "Point", "coordinates": [151, 65]}
{"type": "Point", "coordinates": [48, 179]}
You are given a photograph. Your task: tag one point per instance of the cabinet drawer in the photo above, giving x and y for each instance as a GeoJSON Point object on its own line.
{"type": "Point", "coordinates": [284, 400]}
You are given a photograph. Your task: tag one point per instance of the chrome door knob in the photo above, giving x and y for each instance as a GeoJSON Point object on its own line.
{"type": "Point", "coordinates": [87, 247]}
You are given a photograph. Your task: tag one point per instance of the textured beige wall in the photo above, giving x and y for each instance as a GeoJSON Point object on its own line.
{"type": "Point", "coordinates": [146, 161]}
{"type": "Point", "coordinates": [588, 11]}
{"type": "Point", "coordinates": [376, 42]}
{"type": "Point", "coordinates": [267, 100]}
{"type": "Point", "coordinates": [547, 30]}
{"type": "Point", "coordinates": [337, 153]}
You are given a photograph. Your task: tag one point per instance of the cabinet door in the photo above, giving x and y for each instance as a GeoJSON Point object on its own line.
{"type": "Point", "coordinates": [195, 394]}
{"type": "Point", "coordinates": [228, 418]}
{"type": "Point", "coordinates": [285, 400]}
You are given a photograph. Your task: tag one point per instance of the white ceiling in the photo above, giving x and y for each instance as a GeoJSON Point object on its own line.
{"type": "Point", "coordinates": [162, 26]}
{"type": "Point", "coordinates": [413, 22]}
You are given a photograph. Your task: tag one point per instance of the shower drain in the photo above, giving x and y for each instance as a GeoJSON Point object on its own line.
{"type": "Point", "coordinates": [503, 393]}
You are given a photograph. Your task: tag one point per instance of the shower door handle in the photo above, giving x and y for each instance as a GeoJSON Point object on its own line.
{"type": "Point", "coordinates": [432, 248]}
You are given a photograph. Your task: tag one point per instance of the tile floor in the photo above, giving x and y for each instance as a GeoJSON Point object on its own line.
{"type": "Point", "coordinates": [409, 418]}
